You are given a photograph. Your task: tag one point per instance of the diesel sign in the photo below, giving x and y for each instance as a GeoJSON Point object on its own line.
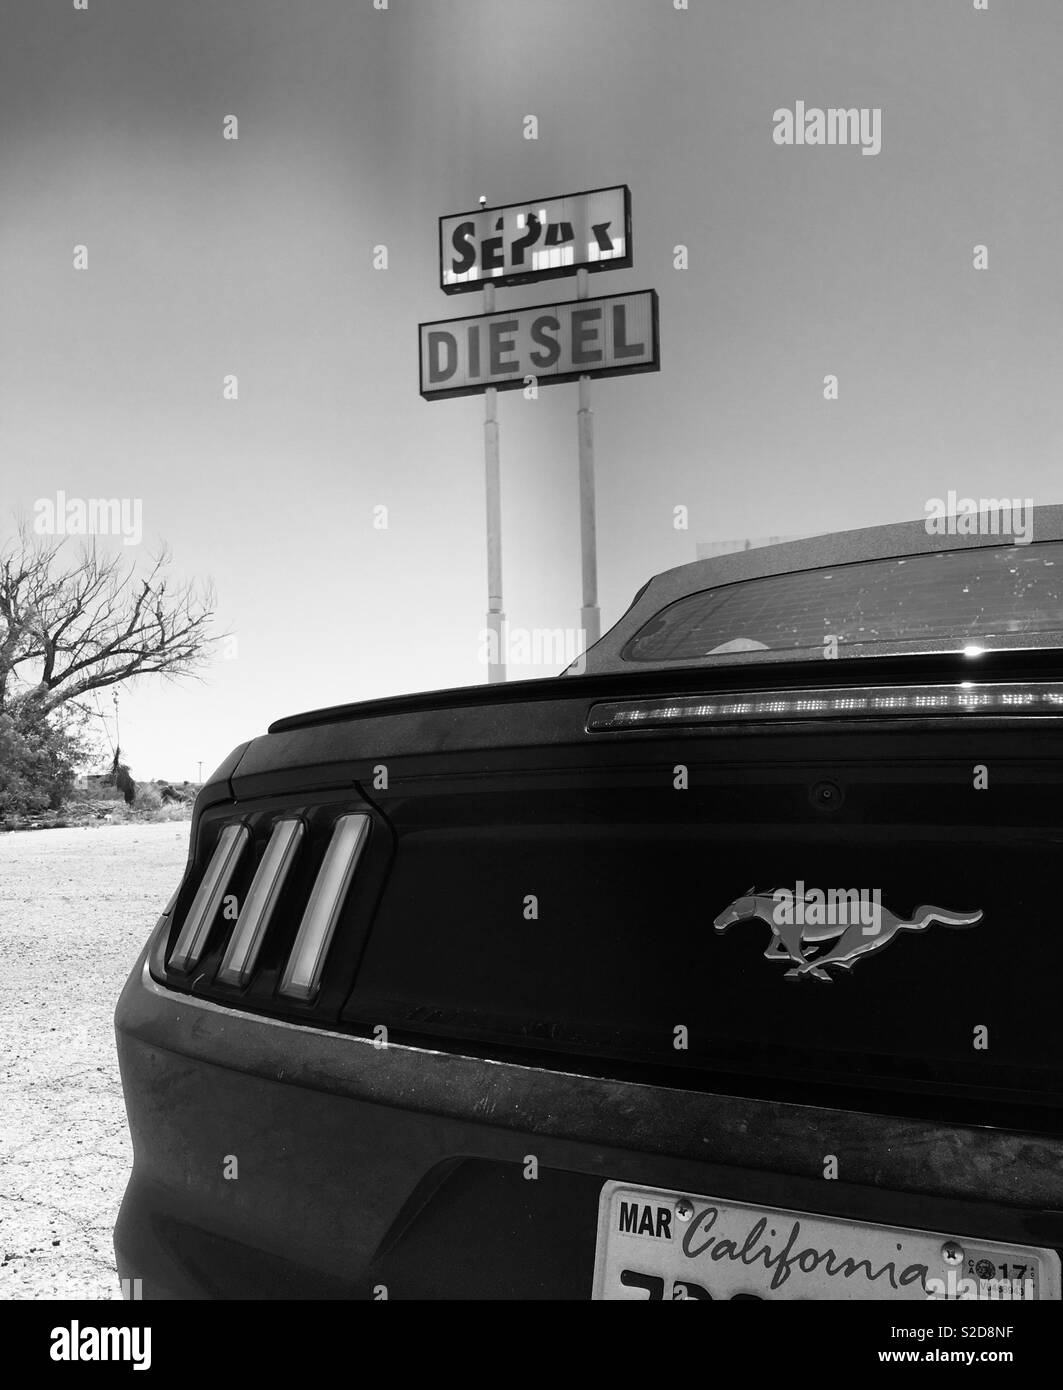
{"type": "Point", "coordinates": [552, 343]}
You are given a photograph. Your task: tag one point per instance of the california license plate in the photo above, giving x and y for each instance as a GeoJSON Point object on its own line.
{"type": "Point", "coordinates": [654, 1244]}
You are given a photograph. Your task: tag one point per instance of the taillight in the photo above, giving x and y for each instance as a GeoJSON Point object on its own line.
{"type": "Point", "coordinates": [856, 702]}
{"type": "Point", "coordinates": [241, 953]}
{"type": "Point", "coordinates": [302, 973]}
{"type": "Point", "coordinates": [193, 935]}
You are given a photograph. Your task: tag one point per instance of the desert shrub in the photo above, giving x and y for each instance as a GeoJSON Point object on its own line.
{"type": "Point", "coordinates": [173, 811]}
{"type": "Point", "coordinates": [37, 758]}
{"type": "Point", "coordinates": [147, 798]}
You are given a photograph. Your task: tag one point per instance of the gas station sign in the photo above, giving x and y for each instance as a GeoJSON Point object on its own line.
{"type": "Point", "coordinates": [540, 240]}
{"type": "Point", "coordinates": [610, 336]}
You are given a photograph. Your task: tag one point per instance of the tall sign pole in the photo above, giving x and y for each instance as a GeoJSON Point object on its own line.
{"type": "Point", "coordinates": [590, 613]}
{"type": "Point", "coordinates": [496, 657]}
{"type": "Point", "coordinates": [577, 234]}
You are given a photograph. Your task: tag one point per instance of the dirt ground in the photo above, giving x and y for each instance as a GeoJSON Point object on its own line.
{"type": "Point", "coordinates": [76, 906]}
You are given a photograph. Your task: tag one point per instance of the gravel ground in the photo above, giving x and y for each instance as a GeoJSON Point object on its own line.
{"type": "Point", "coordinates": [75, 909]}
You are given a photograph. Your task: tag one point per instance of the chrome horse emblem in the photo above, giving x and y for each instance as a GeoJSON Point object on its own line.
{"type": "Point", "coordinates": [853, 939]}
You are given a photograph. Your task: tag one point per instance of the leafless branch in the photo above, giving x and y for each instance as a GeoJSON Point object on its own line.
{"type": "Point", "coordinates": [69, 626]}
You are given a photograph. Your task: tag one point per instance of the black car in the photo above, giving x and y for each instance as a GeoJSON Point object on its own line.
{"type": "Point", "coordinates": [724, 965]}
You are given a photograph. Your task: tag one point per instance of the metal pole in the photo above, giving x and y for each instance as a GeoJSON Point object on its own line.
{"type": "Point", "coordinates": [496, 618]}
{"type": "Point", "coordinates": [590, 613]}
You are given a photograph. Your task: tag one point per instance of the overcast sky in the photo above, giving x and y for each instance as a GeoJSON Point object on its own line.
{"type": "Point", "coordinates": [359, 127]}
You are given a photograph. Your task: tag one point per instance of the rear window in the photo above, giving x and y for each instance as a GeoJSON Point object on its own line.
{"type": "Point", "coordinates": [945, 600]}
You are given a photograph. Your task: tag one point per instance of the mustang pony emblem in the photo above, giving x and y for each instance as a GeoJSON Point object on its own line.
{"type": "Point", "coordinates": [853, 938]}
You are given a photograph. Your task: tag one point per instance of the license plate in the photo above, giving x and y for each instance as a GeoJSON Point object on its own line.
{"type": "Point", "coordinates": [655, 1244]}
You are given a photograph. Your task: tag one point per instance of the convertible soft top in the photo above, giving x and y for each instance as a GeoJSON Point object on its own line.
{"type": "Point", "coordinates": [893, 541]}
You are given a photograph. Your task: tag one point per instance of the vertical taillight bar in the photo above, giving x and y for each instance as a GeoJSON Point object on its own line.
{"type": "Point", "coordinates": [204, 909]}
{"type": "Point", "coordinates": [302, 974]}
{"type": "Point", "coordinates": [242, 950]}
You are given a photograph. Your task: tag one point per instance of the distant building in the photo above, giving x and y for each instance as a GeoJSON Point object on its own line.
{"type": "Point", "coordinates": [98, 786]}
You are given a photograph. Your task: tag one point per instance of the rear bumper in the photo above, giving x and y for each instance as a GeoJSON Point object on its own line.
{"type": "Point", "coordinates": [356, 1171]}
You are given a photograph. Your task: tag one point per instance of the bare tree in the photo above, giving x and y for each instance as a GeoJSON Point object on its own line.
{"type": "Point", "coordinates": [70, 628]}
